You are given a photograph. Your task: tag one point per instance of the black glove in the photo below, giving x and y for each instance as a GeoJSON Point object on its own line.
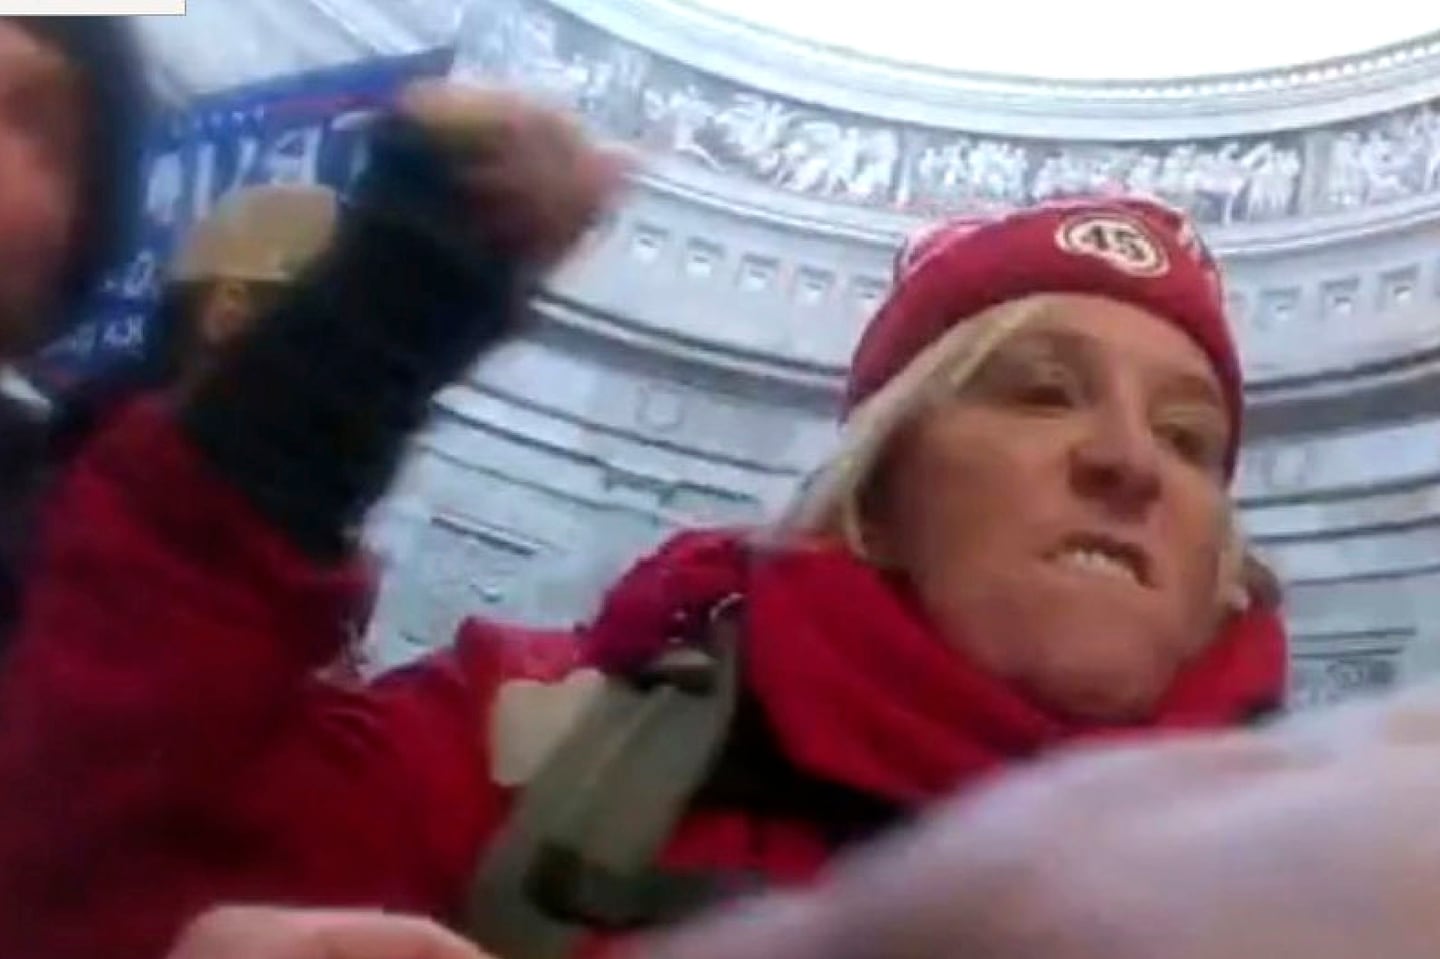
{"type": "Point", "coordinates": [309, 414]}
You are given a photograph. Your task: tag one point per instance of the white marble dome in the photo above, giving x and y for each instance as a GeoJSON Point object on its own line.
{"type": "Point", "coordinates": [1115, 40]}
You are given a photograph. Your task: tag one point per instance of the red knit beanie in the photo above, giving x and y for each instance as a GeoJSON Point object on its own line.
{"type": "Point", "coordinates": [1136, 251]}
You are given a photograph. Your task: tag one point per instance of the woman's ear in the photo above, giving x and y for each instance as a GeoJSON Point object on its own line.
{"type": "Point", "coordinates": [1232, 592]}
{"type": "Point", "coordinates": [1245, 581]}
{"type": "Point", "coordinates": [867, 518]}
{"type": "Point", "coordinates": [868, 538]}
{"type": "Point", "coordinates": [1261, 583]}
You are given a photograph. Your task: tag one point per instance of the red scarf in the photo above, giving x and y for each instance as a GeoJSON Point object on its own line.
{"type": "Point", "coordinates": [860, 689]}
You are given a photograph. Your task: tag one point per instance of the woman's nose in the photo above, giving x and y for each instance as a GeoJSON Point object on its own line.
{"type": "Point", "coordinates": [1117, 460]}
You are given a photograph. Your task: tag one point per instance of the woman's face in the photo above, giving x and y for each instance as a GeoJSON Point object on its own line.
{"type": "Point", "coordinates": [1063, 516]}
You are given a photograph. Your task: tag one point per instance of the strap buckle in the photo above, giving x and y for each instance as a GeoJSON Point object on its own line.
{"type": "Point", "coordinates": [692, 665]}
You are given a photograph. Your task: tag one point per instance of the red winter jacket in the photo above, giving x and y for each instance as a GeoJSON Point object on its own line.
{"type": "Point", "coordinates": [166, 743]}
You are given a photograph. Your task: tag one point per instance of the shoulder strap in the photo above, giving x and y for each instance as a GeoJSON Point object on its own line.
{"type": "Point", "coordinates": [578, 849]}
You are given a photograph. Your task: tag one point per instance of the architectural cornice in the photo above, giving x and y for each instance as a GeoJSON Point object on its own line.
{"type": "Point", "coordinates": [786, 210]}
{"type": "Point", "coordinates": [1308, 94]}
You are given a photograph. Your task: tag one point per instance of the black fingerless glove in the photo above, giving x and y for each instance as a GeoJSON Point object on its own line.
{"type": "Point", "coordinates": [309, 415]}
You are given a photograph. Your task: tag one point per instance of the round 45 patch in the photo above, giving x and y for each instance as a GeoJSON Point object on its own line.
{"type": "Point", "coordinates": [1123, 243]}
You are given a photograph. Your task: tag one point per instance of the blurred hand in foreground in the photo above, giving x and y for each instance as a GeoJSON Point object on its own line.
{"type": "Point", "coordinates": [246, 932]}
{"type": "Point", "coordinates": [1316, 839]}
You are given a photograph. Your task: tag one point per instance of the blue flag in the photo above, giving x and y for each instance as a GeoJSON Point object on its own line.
{"type": "Point", "coordinates": [308, 128]}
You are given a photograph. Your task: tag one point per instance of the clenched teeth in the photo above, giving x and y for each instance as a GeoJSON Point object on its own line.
{"type": "Point", "coordinates": [1100, 563]}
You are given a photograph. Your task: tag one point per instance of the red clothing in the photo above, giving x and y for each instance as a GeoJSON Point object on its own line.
{"type": "Point", "coordinates": [165, 744]}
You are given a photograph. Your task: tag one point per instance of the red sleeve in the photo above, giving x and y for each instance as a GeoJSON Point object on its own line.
{"type": "Point", "coordinates": [164, 743]}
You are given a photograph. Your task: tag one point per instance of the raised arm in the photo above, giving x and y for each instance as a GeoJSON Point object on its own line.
{"type": "Point", "coordinates": [163, 743]}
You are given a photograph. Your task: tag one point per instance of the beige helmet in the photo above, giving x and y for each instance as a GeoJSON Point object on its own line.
{"type": "Point", "coordinates": [261, 234]}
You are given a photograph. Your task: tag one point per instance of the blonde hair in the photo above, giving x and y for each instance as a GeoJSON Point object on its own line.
{"type": "Point", "coordinates": [829, 503]}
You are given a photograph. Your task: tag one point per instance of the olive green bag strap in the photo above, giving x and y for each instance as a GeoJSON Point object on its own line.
{"type": "Point", "coordinates": [579, 847]}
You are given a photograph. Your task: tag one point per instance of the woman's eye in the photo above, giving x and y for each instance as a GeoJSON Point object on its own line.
{"type": "Point", "coordinates": [1197, 445]}
{"type": "Point", "coordinates": [1048, 390]}
{"type": "Point", "coordinates": [1045, 394]}
{"type": "Point", "coordinates": [1028, 383]}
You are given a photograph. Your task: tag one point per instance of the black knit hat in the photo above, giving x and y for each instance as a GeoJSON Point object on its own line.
{"type": "Point", "coordinates": [105, 50]}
